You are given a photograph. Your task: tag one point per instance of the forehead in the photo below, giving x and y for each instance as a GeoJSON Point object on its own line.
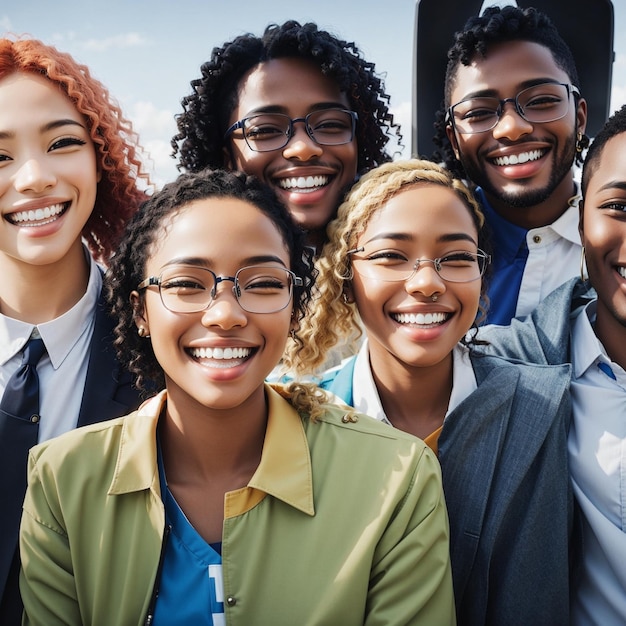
{"type": "Point", "coordinates": [507, 67]}
{"type": "Point", "coordinates": [225, 230]}
{"type": "Point", "coordinates": [422, 210]}
{"type": "Point", "coordinates": [610, 168]}
{"type": "Point", "coordinates": [287, 84]}
{"type": "Point", "coordinates": [21, 90]}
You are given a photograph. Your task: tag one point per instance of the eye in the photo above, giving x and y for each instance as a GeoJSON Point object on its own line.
{"type": "Point", "coordinates": [182, 285]}
{"type": "Point", "coordinates": [265, 284]}
{"type": "Point", "coordinates": [458, 258]}
{"type": "Point", "coordinates": [387, 257]}
{"type": "Point", "coordinates": [66, 142]}
{"type": "Point", "coordinates": [543, 101]}
{"type": "Point", "coordinates": [615, 205]}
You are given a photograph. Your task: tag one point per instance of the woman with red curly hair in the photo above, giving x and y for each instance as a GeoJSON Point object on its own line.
{"type": "Point", "coordinates": [69, 180]}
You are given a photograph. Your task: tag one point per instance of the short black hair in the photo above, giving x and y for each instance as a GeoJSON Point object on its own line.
{"type": "Point", "coordinates": [127, 266]}
{"type": "Point", "coordinates": [615, 125]}
{"type": "Point", "coordinates": [496, 25]}
{"type": "Point", "coordinates": [204, 120]}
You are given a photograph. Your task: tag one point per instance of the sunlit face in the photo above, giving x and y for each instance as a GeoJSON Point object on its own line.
{"type": "Point", "coordinates": [222, 234]}
{"type": "Point", "coordinates": [603, 232]}
{"type": "Point", "coordinates": [48, 171]}
{"type": "Point", "coordinates": [404, 325]}
{"type": "Point", "coordinates": [517, 163]}
{"type": "Point", "coordinates": [308, 177]}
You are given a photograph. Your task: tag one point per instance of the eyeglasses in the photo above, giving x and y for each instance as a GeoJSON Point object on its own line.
{"type": "Point", "coordinates": [190, 289]}
{"type": "Point", "coordinates": [272, 131]}
{"type": "Point", "coordinates": [539, 104]}
{"type": "Point", "coordinates": [458, 266]}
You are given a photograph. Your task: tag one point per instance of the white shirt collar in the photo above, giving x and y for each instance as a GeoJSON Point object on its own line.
{"type": "Point", "coordinates": [365, 394]}
{"type": "Point", "coordinates": [59, 335]}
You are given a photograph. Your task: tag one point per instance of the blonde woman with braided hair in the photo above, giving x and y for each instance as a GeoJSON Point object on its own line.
{"type": "Point", "coordinates": [404, 261]}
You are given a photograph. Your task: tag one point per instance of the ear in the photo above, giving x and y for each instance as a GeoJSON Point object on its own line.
{"type": "Point", "coordinates": [139, 312]}
{"type": "Point", "coordinates": [581, 214]}
{"type": "Point", "coordinates": [453, 141]}
{"type": "Point", "coordinates": [581, 115]}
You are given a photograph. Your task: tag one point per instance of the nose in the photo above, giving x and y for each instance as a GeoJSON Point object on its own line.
{"type": "Point", "coordinates": [33, 175]}
{"type": "Point", "coordinates": [300, 146]}
{"type": "Point", "coordinates": [425, 280]}
{"type": "Point", "coordinates": [224, 310]}
{"type": "Point", "coordinates": [511, 124]}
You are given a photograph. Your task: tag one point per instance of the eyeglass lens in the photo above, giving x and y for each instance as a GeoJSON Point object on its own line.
{"type": "Point", "coordinates": [272, 131]}
{"type": "Point", "coordinates": [258, 289]}
{"type": "Point", "coordinates": [539, 104]}
{"type": "Point", "coordinates": [456, 267]}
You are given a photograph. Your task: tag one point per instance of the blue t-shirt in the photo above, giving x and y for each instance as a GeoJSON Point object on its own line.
{"type": "Point", "coordinates": [190, 589]}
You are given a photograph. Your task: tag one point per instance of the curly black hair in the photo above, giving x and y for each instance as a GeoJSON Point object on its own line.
{"type": "Point", "coordinates": [496, 25]}
{"type": "Point", "coordinates": [206, 112]}
{"type": "Point", "coordinates": [615, 125]}
{"type": "Point", "coordinates": [127, 267]}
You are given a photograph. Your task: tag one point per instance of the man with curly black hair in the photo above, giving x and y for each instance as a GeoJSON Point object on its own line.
{"type": "Point", "coordinates": [297, 107]}
{"type": "Point", "coordinates": [513, 125]}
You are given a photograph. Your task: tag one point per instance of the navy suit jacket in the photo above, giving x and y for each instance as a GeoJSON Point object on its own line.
{"type": "Point", "coordinates": [108, 393]}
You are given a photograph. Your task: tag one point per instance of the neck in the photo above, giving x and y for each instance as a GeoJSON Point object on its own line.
{"type": "Point", "coordinates": [537, 215]}
{"type": "Point", "coordinates": [201, 444]}
{"type": "Point", "coordinates": [415, 399]}
{"type": "Point", "coordinates": [40, 293]}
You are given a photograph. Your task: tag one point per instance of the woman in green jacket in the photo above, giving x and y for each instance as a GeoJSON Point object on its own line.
{"type": "Point", "coordinates": [225, 500]}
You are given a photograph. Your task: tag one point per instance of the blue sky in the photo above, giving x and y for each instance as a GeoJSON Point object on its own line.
{"type": "Point", "coordinates": [147, 51]}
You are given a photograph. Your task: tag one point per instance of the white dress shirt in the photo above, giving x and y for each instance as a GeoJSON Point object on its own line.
{"type": "Point", "coordinates": [63, 370]}
{"type": "Point", "coordinates": [597, 454]}
{"type": "Point", "coordinates": [554, 253]}
{"type": "Point", "coordinates": [365, 394]}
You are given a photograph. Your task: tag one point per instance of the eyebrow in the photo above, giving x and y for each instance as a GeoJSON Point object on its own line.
{"type": "Point", "coordinates": [205, 262]}
{"type": "Point", "coordinates": [494, 93]}
{"type": "Point", "coordinates": [447, 237]}
{"type": "Point", "coordinates": [614, 184]}
{"type": "Point", "coordinates": [9, 134]}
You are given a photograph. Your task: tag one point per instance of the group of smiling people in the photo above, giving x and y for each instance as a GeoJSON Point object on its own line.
{"type": "Point", "coordinates": [446, 471]}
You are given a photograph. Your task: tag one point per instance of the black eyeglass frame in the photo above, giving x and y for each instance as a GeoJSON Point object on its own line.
{"type": "Point", "coordinates": [289, 134]}
{"type": "Point", "coordinates": [450, 119]}
{"type": "Point", "coordinates": [155, 281]}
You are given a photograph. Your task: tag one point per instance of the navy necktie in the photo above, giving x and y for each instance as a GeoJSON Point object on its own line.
{"type": "Point", "coordinates": [19, 427]}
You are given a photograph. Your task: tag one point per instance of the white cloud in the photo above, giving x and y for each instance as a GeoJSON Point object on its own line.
{"type": "Point", "coordinates": [126, 40]}
{"type": "Point", "coordinates": [5, 24]}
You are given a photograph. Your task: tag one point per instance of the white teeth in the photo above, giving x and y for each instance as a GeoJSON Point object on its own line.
{"type": "Point", "coordinates": [36, 216]}
{"type": "Point", "coordinates": [622, 271]}
{"type": "Point", "coordinates": [221, 353]}
{"type": "Point", "coordinates": [302, 182]}
{"type": "Point", "coordinates": [516, 159]}
{"type": "Point", "coordinates": [424, 319]}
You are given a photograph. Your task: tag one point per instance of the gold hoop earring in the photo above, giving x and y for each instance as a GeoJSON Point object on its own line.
{"type": "Point", "coordinates": [583, 264]}
{"type": "Point", "coordinates": [582, 142]}
{"type": "Point", "coordinates": [141, 331]}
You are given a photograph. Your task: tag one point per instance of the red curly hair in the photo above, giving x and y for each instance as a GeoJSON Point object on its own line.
{"type": "Point", "coordinates": [117, 149]}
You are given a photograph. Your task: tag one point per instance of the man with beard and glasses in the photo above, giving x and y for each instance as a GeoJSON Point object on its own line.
{"type": "Point", "coordinates": [513, 125]}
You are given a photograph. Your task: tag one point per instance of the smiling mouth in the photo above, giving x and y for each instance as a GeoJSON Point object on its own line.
{"type": "Point", "coordinates": [303, 184]}
{"type": "Point", "coordinates": [38, 217]}
{"type": "Point", "coordinates": [421, 319]}
{"type": "Point", "coordinates": [519, 159]}
{"type": "Point", "coordinates": [221, 357]}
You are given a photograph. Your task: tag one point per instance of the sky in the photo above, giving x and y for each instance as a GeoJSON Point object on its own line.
{"type": "Point", "coordinates": [147, 51]}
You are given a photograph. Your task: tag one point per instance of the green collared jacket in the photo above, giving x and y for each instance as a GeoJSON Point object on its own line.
{"type": "Point", "coordinates": [343, 523]}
